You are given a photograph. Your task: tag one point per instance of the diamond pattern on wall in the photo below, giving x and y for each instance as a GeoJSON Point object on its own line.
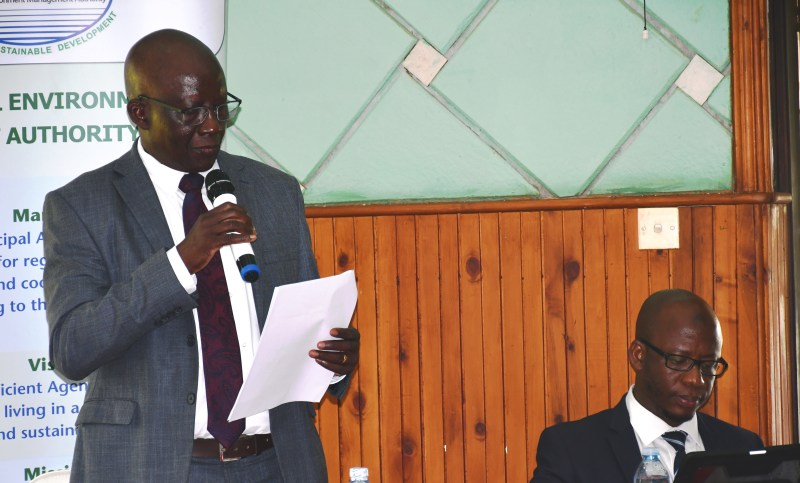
{"type": "Point", "coordinates": [305, 69]}
{"type": "Point", "coordinates": [678, 150]}
{"type": "Point", "coordinates": [537, 98]}
{"type": "Point", "coordinates": [543, 88]}
{"type": "Point", "coordinates": [428, 149]}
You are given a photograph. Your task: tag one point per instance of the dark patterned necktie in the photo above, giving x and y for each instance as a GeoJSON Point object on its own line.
{"type": "Point", "coordinates": [677, 439]}
{"type": "Point", "coordinates": [222, 361]}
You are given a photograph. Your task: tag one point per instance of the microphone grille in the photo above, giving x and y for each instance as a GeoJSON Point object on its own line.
{"type": "Point", "coordinates": [218, 183]}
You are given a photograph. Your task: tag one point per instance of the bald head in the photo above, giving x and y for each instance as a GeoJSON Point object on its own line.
{"type": "Point", "coordinates": [653, 316]}
{"type": "Point", "coordinates": [159, 62]}
{"type": "Point", "coordinates": [168, 73]}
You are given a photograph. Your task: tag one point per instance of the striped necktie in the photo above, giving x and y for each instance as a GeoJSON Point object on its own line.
{"type": "Point", "coordinates": [677, 439]}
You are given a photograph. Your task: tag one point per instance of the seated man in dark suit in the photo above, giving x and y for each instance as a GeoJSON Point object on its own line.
{"type": "Point", "coordinates": [676, 357]}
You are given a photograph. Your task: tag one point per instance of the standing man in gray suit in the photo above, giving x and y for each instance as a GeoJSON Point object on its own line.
{"type": "Point", "coordinates": [122, 287]}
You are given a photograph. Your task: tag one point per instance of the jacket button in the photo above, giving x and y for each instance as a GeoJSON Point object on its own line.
{"type": "Point", "coordinates": [190, 398]}
{"type": "Point", "coordinates": [190, 340]}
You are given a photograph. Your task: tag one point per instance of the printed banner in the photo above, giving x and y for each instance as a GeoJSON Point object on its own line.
{"type": "Point", "coordinates": [72, 31]}
{"type": "Point", "coordinates": [62, 112]}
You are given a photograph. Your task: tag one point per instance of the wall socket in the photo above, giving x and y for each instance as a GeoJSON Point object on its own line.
{"type": "Point", "coordinates": [658, 228]}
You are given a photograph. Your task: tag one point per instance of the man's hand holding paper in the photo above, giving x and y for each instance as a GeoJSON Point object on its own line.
{"type": "Point", "coordinates": [295, 359]}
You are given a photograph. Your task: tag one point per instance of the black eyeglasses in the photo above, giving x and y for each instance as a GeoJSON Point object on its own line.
{"type": "Point", "coordinates": [708, 367]}
{"type": "Point", "coordinates": [194, 116]}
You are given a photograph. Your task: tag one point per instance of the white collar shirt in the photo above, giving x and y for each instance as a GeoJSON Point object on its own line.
{"type": "Point", "coordinates": [166, 180]}
{"type": "Point", "coordinates": [648, 429]}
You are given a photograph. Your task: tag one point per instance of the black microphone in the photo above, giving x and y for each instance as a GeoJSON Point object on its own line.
{"type": "Point", "coordinates": [220, 190]}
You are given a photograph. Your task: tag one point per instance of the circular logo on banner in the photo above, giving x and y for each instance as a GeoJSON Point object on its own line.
{"type": "Point", "coordinates": [50, 21]}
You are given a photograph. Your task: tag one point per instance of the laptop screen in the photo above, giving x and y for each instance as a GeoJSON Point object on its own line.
{"type": "Point", "coordinates": [776, 464]}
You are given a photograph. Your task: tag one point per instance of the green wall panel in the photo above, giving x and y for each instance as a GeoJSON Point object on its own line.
{"type": "Point", "coordinates": [410, 147]}
{"type": "Point", "coordinates": [678, 150]}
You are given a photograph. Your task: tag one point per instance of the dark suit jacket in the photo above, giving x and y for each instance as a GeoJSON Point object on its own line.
{"type": "Point", "coordinates": [119, 318]}
{"type": "Point", "coordinates": [603, 448]}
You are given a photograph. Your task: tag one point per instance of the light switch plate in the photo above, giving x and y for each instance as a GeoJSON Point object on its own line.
{"type": "Point", "coordinates": [658, 228]}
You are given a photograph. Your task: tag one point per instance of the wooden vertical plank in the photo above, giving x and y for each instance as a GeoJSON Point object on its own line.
{"type": "Point", "coordinates": [452, 389]}
{"type": "Point", "coordinates": [638, 276]}
{"type": "Point", "coordinates": [513, 347]}
{"type": "Point", "coordinates": [681, 259]}
{"type": "Point", "coordinates": [349, 415]}
{"type": "Point", "coordinates": [430, 335]}
{"type": "Point", "coordinates": [329, 408]}
{"type": "Point", "coordinates": [472, 347]}
{"type": "Point", "coordinates": [618, 341]}
{"type": "Point", "coordinates": [594, 274]}
{"type": "Point", "coordinates": [492, 347]}
{"type": "Point", "coordinates": [725, 307]}
{"type": "Point", "coordinates": [747, 338]}
{"type": "Point", "coordinates": [409, 348]}
{"type": "Point", "coordinates": [554, 325]}
{"type": "Point", "coordinates": [388, 349]}
{"type": "Point", "coordinates": [781, 367]}
{"type": "Point", "coordinates": [574, 314]}
{"type": "Point", "coordinates": [703, 252]}
{"type": "Point", "coordinates": [533, 329]}
{"type": "Point", "coordinates": [703, 269]}
{"type": "Point", "coordinates": [658, 261]}
{"type": "Point", "coordinates": [366, 400]}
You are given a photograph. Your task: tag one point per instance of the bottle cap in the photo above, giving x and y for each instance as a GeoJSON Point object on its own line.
{"type": "Point", "coordinates": [359, 473]}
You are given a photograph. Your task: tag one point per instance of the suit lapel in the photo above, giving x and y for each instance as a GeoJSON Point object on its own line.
{"type": "Point", "coordinates": [710, 442]}
{"type": "Point", "coordinates": [623, 440]}
{"type": "Point", "coordinates": [138, 194]}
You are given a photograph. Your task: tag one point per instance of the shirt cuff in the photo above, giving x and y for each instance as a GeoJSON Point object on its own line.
{"type": "Point", "coordinates": [187, 280]}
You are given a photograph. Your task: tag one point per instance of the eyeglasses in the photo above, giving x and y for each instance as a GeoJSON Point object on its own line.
{"type": "Point", "coordinates": [708, 367]}
{"type": "Point", "coordinates": [194, 116]}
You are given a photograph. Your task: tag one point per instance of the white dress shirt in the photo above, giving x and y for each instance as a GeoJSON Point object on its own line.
{"type": "Point", "coordinates": [166, 182]}
{"type": "Point", "coordinates": [648, 429]}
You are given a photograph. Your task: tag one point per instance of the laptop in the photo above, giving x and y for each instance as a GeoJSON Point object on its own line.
{"type": "Point", "coordinates": [776, 464]}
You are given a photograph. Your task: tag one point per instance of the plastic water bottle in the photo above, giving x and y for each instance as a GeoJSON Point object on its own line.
{"type": "Point", "coordinates": [651, 469]}
{"type": "Point", "coordinates": [359, 474]}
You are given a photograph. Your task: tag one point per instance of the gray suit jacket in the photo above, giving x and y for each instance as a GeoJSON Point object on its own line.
{"type": "Point", "coordinates": [119, 318]}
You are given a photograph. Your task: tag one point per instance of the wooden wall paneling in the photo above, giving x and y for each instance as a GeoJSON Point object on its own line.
{"type": "Point", "coordinates": [617, 300]}
{"type": "Point", "coordinates": [658, 263]}
{"type": "Point", "coordinates": [452, 388]}
{"type": "Point", "coordinates": [725, 306]}
{"type": "Point", "coordinates": [513, 356]}
{"type": "Point", "coordinates": [349, 417]}
{"type": "Point", "coordinates": [491, 315]}
{"type": "Point", "coordinates": [471, 266]}
{"type": "Point", "coordinates": [703, 266]}
{"type": "Point", "coordinates": [430, 348]}
{"type": "Point", "coordinates": [388, 349]}
{"type": "Point", "coordinates": [409, 348]}
{"type": "Point", "coordinates": [638, 272]}
{"type": "Point", "coordinates": [780, 363]}
{"type": "Point", "coordinates": [681, 259]}
{"type": "Point", "coordinates": [596, 310]}
{"type": "Point", "coordinates": [556, 386]}
{"type": "Point", "coordinates": [748, 338]}
{"type": "Point", "coordinates": [750, 86]}
{"type": "Point", "coordinates": [367, 399]}
{"type": "Point", "coordinates": [533, 330]}
{"type": "Point", "coordinates": [703, 252]}
{"type": "Point", "coordinates": [329, 408]}
{"type": "Point", "coordinates": [574, 313]}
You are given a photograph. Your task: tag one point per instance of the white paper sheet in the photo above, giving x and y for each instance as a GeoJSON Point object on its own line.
{"type": "Point", "coordinates": [300, 315]}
